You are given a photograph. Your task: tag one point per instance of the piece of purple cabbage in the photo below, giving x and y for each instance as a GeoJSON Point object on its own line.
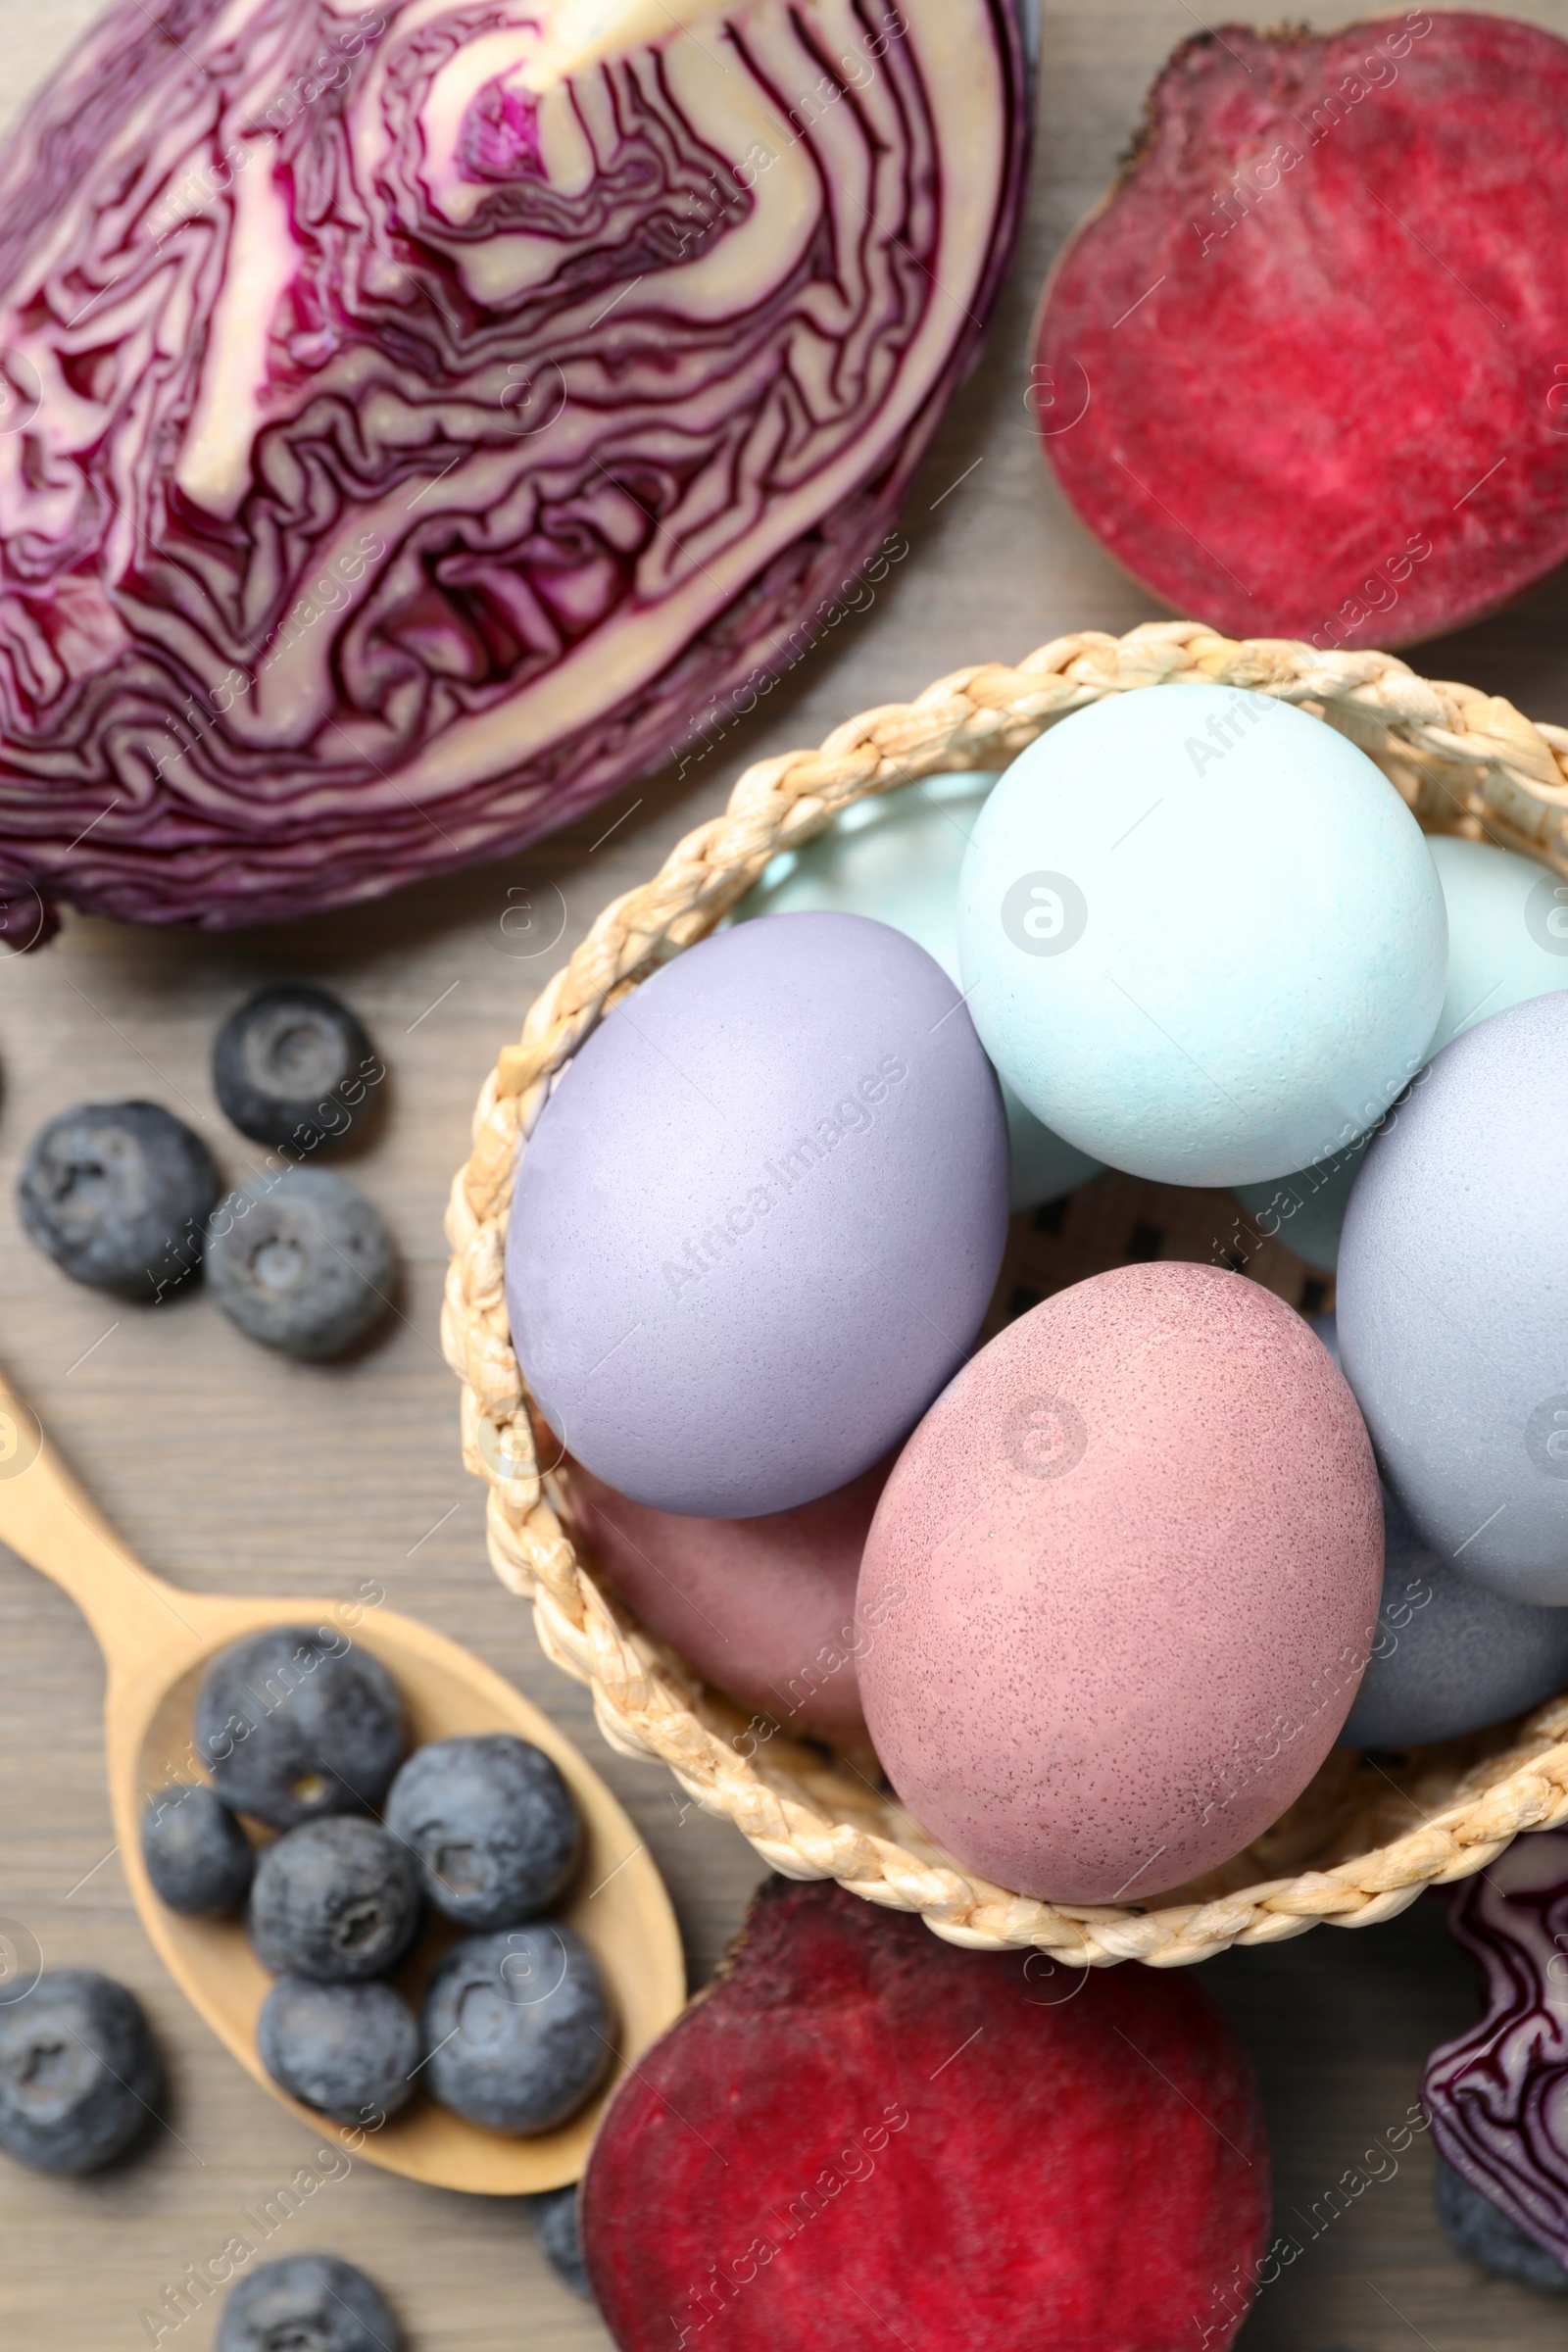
{"type": "Point", "coordinates": [417, 421]}
{"type": "Point", "coordinates": [1499, 2095]}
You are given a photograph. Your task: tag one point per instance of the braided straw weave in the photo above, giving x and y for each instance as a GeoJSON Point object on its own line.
{"type": "Point", "coordinates": [1362, 1843]}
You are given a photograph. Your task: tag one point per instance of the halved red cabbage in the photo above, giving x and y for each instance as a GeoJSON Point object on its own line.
{"type": "Point", "coordinates": [413, 419]}
{"type": "Point", "coordinates": [1499, 2095]}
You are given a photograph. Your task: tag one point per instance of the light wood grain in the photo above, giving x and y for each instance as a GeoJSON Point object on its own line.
{"type": "Point", "coordinates": [228, 1470]}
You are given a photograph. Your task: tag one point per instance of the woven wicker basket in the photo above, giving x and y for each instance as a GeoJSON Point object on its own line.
{"type": "Point", "coordinates": [1368, 1835]}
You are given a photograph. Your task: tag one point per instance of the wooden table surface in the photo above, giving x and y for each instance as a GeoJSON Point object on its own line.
{"type": "Point", "coordinates": [226, 1468]}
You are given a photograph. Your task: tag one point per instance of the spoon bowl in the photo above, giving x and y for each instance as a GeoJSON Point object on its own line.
{"type": "Point", "coordinates": [157, 1642]}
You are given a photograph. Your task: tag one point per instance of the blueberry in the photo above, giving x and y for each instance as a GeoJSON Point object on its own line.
{"type": "Point", "coordinates": [347, 2050]}
{"type": "Point", "coordinates": [297, 1722]}
{"type": "Point", "coordinates": [335, 1900]}
{"type": "Point", "coordinates": [518, 2027]}
{"type": "Point", "coordinates": [493, 1824]}
{"type": "Point", "coordinates": [1475, 2227]}
{"type": "Point", "coordinates": [300, 1261]}
{"type": "Point", "coordinates": [117, 1194]}
{"type": "Point", "coordinates": [78, 2072]}
{"type": "Point", "coordinates": [554, 2226]}
{"type": "Point", "coordinates": [308, 2303]}
{"type": "Point", "coordinates": [197, 1855]}
{"type": "Point", "coordinates": [292, 1065]}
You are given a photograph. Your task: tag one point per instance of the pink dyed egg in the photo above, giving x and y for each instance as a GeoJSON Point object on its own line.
{"type": "Point", "coordinates": [763, 1608]}
{"type": "Point", "coordinates": [1126, 1576]}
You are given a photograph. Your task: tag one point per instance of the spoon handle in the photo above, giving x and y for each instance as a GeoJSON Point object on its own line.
{"type": "Point", "coordinates": [48, 1521]}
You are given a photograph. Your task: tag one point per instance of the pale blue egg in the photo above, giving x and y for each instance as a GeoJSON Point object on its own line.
{"type": "Point", "coordinates": [1201, 935]}
{"type": "Point", "coordinates": [896, 857]}
{"type": "Point", "coordinates": [1507, 942]}
{"type": "Point", "coordinates": [1306, 1211]}
{"type": "Point", "coordinates": [1507, 931]}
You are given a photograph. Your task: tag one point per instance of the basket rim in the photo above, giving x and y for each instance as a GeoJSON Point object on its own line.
{"type": "Point", "coordinates": [1465, 762]}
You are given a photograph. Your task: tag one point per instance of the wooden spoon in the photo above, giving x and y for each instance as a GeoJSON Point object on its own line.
{"type": "Point", "coordinates": [156, 1642]}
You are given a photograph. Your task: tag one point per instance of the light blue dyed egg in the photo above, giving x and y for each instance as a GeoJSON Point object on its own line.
{"type": "Point", "coordinates": [1507, 942]}
{"type": "Point", "coordinates": [897, 858]}
{"type": "Point", "coordinates": [1202, 935]}
{"type": "Point", "coordinates": [1306, 1211]}
{"type": "Point", "coordinates": [757, 1224]}
{"type": "Point", "coordinates": [1507, 931]}
{"type": "Point", "coordinates": [1454, 1301]}
{"type": "Point", "coordinates": [1449, 1656]}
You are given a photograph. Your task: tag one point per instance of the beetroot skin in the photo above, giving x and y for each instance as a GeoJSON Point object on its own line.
{"type": "Point", "coordinates": [1306, 370]}
{"type": "Point", "coordinates": [863, 2135]}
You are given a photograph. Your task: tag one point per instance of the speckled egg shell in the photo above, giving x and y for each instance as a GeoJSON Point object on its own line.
{"type": "Point", "coordinates": [1138, 1548]}
{"type": "Point", "coordinates": [1201, 934]}
{"type": "Point", "coordinates": [1452, 1301]}
{"type": "Point", "coordinates": [1507, 942]}
{"type": "Point", "coordinates": [759, 1221]}
{"type": "Point", "coordinates": [1449, 1656]}
{"type": "Point", "coordinates": [898, 858]}
{"type": "Point", "coordinates": [763, 1608]}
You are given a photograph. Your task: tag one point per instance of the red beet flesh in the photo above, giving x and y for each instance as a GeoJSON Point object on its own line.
{"type": "Point", "coordinates": [1305, 371]}
{"type": "Point", "coordinates": [863, 2135]}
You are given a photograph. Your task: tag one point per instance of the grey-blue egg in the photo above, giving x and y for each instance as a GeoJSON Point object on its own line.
{"type": "Point", "coordinates": [1449, 1656]}
{"type": "Point", "coordinates": [1454, 1301]}
{"type": "Point", "coordinates": [757, 1224]}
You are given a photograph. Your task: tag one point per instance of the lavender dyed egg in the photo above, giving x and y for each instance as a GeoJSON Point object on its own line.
{"type": "Point", "coordinates": [757, 1224]}
{"type": "Point", "coordinates": [763, 1608]}
{"type": "Point", "coordinates": [898, 857]}
{"type": "Point", "coordinates": [1140, 1547]}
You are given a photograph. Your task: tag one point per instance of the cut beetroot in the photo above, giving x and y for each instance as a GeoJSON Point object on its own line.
{"type": "Point", "coordinates": [1306, 370]}
{"type": "Point", "coordinates": [863, 2136]}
